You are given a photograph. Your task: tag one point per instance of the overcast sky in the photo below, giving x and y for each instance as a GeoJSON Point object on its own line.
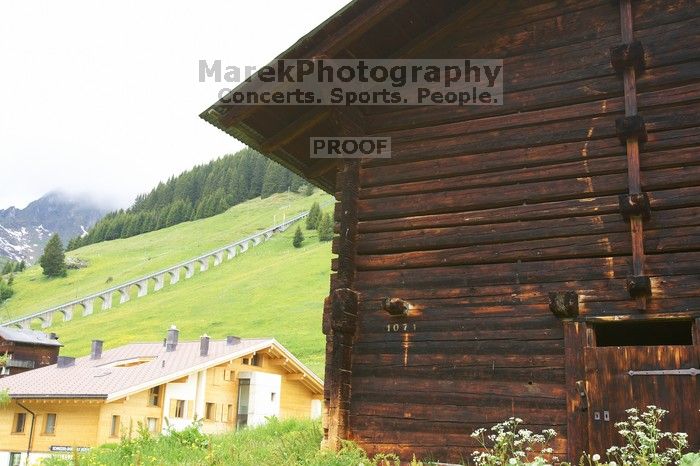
{"type": "Point", "coordinates": [102, 99]}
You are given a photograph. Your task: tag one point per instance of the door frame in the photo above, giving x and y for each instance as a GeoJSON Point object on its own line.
{"type": "Point", "coordinates": [579, 334]}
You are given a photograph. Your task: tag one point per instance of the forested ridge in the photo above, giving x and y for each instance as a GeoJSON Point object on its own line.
{"type": "Point", "coordinates": [201, 192]}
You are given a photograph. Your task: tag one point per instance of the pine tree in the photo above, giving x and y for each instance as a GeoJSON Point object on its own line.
{"type": "Point", "coordinates": [8, 268]}
{"type": "Point", "coordinates": [314, 217]}
{"type": "Point", "coordinates": [53, 261]}
{"type": "Point", "coordinates": [207, 190]}
{"type": "Point", "coordinates": [6, 291]}
{"type": "Point", "coordinates": [325, 228]}
{"type": "Point", "coordinates": [309, 190]}
{"type": "Point", "coordinates": [222, 205]}
{"type": "Point", "coordinates": [298, 237]}
{"type": "Point", "coordinates": [22, 265]}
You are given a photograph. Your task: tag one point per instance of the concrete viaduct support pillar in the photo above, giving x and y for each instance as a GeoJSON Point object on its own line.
{"type": "Point", "coordinates": [46, 320]}
{"type": "Point", "coordinates": [244, 246]}
{"type": "Point", "coordinates": [107, 301]}
{"type": "Point", "coordinates": [203, 264]}
{"type": "Point", "coordinates": [268, 235]}
{"type": "Point", "coordinates": [67, 313]}
{"type": "Point", "coordinates": [218, 258]}
{"type": "Point", "coordinates": [257, 240]}
{"type": "Point", "coordinates": [123, 295]}
{"type": "Point", "coordinates": [160, 281]}
{"type": "Point", "coordinates": [189, 270]}
{"type": "Point", "coordinates": [88, 306]}
{"type": "Point", "coordinates": [232, 252]}
{"type": "Point", "coordinates": [25, 324]}
{"type": "Point", "coordinates": [143, 288]}
{"type": "Point", "coordinates": [174, 276]}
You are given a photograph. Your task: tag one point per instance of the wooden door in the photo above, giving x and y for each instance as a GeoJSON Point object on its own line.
{"type": "Point", "coordinates": [612, 389]}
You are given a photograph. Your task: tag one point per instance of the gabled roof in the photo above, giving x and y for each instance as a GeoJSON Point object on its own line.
{"type": "Point", "coordinates": [103, 378]}
{"type": "Point", "coordinates": [28, 337]}
{"type": "Point", "coordinates": [362, 29]}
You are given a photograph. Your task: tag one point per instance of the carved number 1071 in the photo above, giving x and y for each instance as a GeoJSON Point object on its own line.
{"type": "Point", "coordinates": [400, 327]}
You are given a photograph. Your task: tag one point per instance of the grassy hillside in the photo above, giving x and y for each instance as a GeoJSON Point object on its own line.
{"type": "Point", "coordinates": [117, 261]}
{"type": "Point", "coordinates": [273, 290]}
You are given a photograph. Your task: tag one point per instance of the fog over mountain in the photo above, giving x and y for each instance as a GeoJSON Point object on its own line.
{"type": "Point", "coordinates": [24, 232]}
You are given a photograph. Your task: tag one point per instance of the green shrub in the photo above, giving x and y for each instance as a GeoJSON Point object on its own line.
{"type": "Point", "coordinates": [325, 227]}
{"type": "Point", "coordinates": [289, 442]}
{"type": "Point", "coordinates": [298, 238]}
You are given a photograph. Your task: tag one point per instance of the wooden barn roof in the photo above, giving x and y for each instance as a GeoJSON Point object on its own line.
{"type": "Point", "coordinates": [362, 29]}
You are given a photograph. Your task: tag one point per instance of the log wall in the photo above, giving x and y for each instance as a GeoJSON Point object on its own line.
{"type": "Point", "coordinates": [482, 211]}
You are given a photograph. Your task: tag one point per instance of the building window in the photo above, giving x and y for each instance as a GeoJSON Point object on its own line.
{"type": "Point", "coordinates": [243, 403]}
{"type": "Point", "coordinates": [18, 426]}
{"type": "Point", "coordinates": [255, 360]}
{"type": "Point", "coordinates": [154, 396]}
{"type": "Point", "coordinates": [15, 458]}
{"type": "Point", "coordinates": [273, 397]}
{"type": "Point", "coordinates": [152, 424]}
{"type": "Point", "coordinates": [210, 413]}
{"type": "Point", "coordinates": [316, 409]}
{"type": "Point", "coordinates": [228, 375]}
{"type": "Point", "coordinates": [116, 423]}
{"type": "Point", "coordinates": [180, 408]}
{"type": "Point", "coordinates": [50, 425]}
{"type": "Point", "coordinates": [229, 413]}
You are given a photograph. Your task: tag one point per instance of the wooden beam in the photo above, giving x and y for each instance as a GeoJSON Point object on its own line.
{"type": "Point", "coordinates": [632, 318]}
{"type": "Point", "coordinates": [442, 30]}
{"type": "Point", "coordinates": [279, 362]}
{"type": "Point", "coordinates": [411, 50]}
{"type": "Point", "coordinates": [320, 167]}
{"type": "Point", "coordinates": [295, 376]}
{"type": "Point", "coordinates": [295, 129]}
{"type": "Point", "coordinates": [380, 10]}
{"type": "Point", "coordinates": [576, 398]}
{"type": "Point", "coordinates": [333, 44]}
{"type": "Point", "coordinates": [632, 145]}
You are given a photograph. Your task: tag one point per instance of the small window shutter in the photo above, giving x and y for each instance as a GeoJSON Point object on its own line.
{"type": "Point", "coordinates": [190, 409]}
{"type": "Point", "coordinates": [173, 405]}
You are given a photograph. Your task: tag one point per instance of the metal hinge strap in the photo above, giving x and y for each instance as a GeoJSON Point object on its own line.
{"type": "Point", "coordinates": [691, 372]}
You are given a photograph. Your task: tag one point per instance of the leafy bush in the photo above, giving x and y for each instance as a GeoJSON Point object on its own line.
{"type": "Point", "coordinates": [6, 290]}
{"type": "Point", "coordinates": [289, 442]}
{"type": "Point", "coordinates": [645, 441]}
{"type": "Point", "coordinates": [507, 444]}
{"type": "Point", "coordinates": [645, 444]}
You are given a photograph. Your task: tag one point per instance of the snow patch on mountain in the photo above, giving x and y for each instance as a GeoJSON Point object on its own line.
{"type": "Point", "coordinates": [24, 232]}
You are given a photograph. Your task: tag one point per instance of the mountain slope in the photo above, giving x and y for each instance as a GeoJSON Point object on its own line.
{"type": "Point", "coordinates": [273, 290]}
{"type": "Point", "coordinates": [117, 261]}
{"type": "Point", "coordinates": [24, 232]}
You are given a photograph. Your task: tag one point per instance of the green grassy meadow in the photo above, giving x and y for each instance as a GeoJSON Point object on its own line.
{"type": "Point", "coordinates": [289, 442]}
{"type": "Point", "coordinates": [273, 290]}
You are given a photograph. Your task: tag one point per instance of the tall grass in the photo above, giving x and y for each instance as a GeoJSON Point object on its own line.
{"type": "Point", "coordinates": [289, 442]}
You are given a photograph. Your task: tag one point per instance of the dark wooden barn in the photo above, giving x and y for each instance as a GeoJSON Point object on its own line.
{"type": "Point", "coordinates": [27, 350]}
{"type": "Point", "coordinates": [547, 250]}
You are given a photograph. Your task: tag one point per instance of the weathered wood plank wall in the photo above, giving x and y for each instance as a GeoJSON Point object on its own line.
{"type": "Point", "coordinates": [482, 211]}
